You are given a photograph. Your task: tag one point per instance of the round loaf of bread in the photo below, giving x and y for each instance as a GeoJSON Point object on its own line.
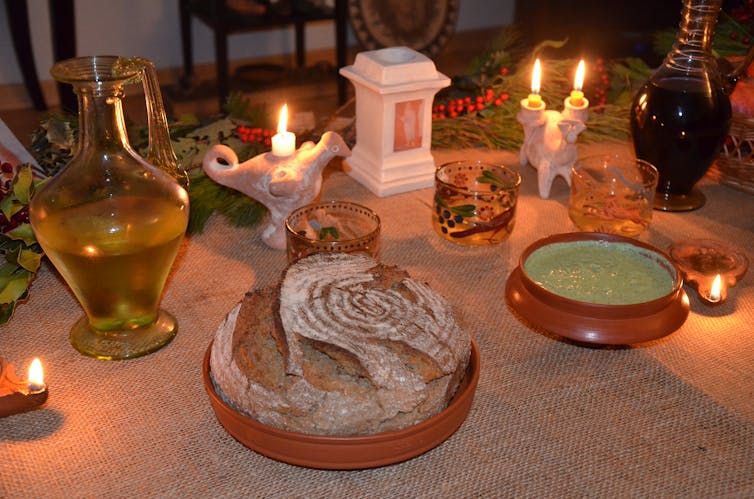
{"type": "Point", "coordinates": [342, 346]}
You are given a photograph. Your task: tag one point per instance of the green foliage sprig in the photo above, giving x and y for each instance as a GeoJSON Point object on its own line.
{"type": "Point", "coordinates": [21, 252]}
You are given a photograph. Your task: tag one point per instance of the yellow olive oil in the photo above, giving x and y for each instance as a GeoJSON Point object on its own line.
{"type": "Point", "coordinates": [116, 255]}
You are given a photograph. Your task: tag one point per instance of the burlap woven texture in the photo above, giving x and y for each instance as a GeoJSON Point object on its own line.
{"type": "Point", "coordinates": [673, 418]}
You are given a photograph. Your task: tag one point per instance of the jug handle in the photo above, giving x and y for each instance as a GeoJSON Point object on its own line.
{"type": "Point", "coordinates": [734, 75]}
{"type": "Point", "coordinates": [160, 152]}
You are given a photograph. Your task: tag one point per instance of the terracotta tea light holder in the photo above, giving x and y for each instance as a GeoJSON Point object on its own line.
{"type": "Point", "coordinates": [710, 266]}
{"type": "Point", "coordinates": [18, 395]}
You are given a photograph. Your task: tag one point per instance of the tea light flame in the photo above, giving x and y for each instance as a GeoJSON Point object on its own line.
{"type": "Point", "coordinates": [35, 379]}
{"type": "Point", "coordinates": [715, 292]}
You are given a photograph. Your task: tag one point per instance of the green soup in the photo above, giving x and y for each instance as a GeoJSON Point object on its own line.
{"type": "Point", "coordinates": [600, 272]}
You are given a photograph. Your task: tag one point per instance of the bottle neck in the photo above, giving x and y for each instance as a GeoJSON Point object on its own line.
{"type": "Point", "coordinates": [101, 121]}
{"type": "Point", "coordinates": [693, 46]}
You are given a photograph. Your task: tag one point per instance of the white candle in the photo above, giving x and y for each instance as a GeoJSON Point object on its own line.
{"type": "Point", "coordinates": [283, 142]}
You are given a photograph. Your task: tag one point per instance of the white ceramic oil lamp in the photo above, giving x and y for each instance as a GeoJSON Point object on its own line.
{"type": "Point", "coordinates": [282, 180]}
{"type": "Point", "coordinates": [550, 136]}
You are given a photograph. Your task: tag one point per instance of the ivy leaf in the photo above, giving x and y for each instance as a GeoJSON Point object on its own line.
{"type": "Point", "coordinates": [22, 233]}
{"type": "Point", "coordinates": [21, 189]}
{"type": "Point", "coordinates": [8, 243]}
{"type": "Point", "coordinates": [22, 184]}
{"type": "Point", "coordinates": [9, 206]}
{"type": "Point", "coordinates": [30, 259]}
{"type": "Point", "coordinates": [6, 311]}
{"type": "Point", "coordinates": [14, 286]}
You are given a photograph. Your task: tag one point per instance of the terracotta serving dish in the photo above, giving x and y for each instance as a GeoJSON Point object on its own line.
{"type": "Point", "coordinates": [592, 322]}
{"type": "Point", "coordinates": [346, 452]}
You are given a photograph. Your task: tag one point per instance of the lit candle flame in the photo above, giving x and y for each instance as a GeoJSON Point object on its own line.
{"type": "Point", "coordinates": [577, 96]}
{"type": "Point", "coordinates": [283, 142]}
{"type": "Point", "coordinates": [578, 83]}
{"type": "Point", "coordinates": [534, 100]}
{"type": "Point", "coordinates": [283, 119]}
{"type": "Point", "coordinates": [536, 77]}
{"type": "Point", "coordinates": [35, 378]}
{"type": "Point", "coordinates": [715, 292]}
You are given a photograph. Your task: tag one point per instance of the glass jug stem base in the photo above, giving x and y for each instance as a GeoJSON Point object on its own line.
{"type": "Point", "coordinates": [126, 344]}
{"type": "Point", "coordinates": [679, 202]}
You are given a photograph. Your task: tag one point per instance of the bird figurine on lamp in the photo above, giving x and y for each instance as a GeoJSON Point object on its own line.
{"type": "Point", "coordinates": [281, 180]}
{"type": "Point", "coordinates": [550, 136]}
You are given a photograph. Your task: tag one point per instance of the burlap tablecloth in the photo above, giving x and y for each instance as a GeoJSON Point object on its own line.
{"type": "Point", "coordinates": [674, 417]}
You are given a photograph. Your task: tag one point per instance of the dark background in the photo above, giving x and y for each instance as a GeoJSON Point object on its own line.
{"type": "Point", "coordinates": [604, 28]}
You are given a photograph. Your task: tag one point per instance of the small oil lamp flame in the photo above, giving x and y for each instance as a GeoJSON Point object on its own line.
{"type": "Point", "coordinates": [715, 293]}
{"type": "Point", "coordinates": [35, 378]}
{"type": "Point", "coordinates": [19, 395]}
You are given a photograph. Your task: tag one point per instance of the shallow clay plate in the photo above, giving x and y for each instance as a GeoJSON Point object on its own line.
{"type": "Point", "coordinates": [591, 322]}
{"type": "Point", "coordinates": [346, 452]}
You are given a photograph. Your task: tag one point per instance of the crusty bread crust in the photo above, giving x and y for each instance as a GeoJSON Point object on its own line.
{"type": "Point", "coordinates": [342, 346]}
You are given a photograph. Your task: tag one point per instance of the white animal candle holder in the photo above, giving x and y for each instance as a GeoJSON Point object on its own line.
{"type": "Point", "coordinates": [550, 136]}
{"type": "Point", "coordinates": [394, 90]}
{"type": "Point", "coordinates": [280, 183]}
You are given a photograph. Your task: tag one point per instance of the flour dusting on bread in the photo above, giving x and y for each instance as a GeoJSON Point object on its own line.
{"type": "Point", "coordinates": [342, 346]}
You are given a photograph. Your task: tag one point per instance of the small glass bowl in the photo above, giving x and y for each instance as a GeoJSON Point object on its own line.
{"type": "Point", "coordinates": [332, 227]}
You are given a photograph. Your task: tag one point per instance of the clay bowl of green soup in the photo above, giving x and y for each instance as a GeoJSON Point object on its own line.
{"type": "Point", "coordinates": [598, 288]}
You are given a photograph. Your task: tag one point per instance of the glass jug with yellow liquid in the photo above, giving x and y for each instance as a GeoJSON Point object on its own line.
{"type": "Point", "coordinates": [110, 221]}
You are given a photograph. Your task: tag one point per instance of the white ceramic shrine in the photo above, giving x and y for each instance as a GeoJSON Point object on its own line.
{"type": "Point", "coordinates": [394, 88]}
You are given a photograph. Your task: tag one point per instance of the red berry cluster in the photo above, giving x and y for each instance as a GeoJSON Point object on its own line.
{"type": "Point", "coordinates": [467, 105]}
{"type": "Point", "coordinates": [600, 84]}
{"type": "Point", "coordinates": [745, 40]}
{"type": "Point", "coordinates": [20, 217]}
{"type": "Point", "coordinates": [255, 134]}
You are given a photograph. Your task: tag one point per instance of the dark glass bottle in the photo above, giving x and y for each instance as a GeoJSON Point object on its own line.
{"type": "Point", "coordinates": [681, 116]}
